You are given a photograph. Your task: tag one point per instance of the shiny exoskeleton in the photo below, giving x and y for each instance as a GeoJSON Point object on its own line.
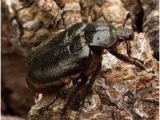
{"type": "Point", "coordinates": [77, 50]}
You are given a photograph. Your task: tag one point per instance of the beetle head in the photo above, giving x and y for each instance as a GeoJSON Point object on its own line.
{"type": "Point", "coordinates": [124, 34]}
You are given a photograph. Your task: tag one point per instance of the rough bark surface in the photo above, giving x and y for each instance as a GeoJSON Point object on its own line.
{"type": "Point", "coordinates": [121, 91]}
{"type": "Point", "coordinates": [16, 97]}
{"type": "Point", "coordinates": [10, 118]}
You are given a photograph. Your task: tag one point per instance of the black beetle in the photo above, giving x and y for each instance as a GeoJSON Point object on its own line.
{"type": "Point", "coordinates": [77, 50]}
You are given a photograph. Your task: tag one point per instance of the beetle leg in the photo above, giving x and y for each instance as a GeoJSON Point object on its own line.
{"type": "Point", "coordinates": [79, 81]}
{"type": "Point", "coordinates": [52, 102]}
{"type": "Point", "coordinates": [80, 91]}
{"type": "Point", "coordinates": [128, 48]}
{"type": "Point", "coordinates": [79, 98]}
{"type": "Point", "coordinates": [131, 60]}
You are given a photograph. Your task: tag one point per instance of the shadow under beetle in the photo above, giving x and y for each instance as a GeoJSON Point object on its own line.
{"type": "Point", "coordinates": [77, 50]}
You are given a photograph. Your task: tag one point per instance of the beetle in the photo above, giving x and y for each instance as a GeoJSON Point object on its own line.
{"type": "Point", "coordinates": [76, 50]}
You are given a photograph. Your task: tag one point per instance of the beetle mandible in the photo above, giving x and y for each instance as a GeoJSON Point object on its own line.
{"type": "Point", "coordinates": [77, 50]}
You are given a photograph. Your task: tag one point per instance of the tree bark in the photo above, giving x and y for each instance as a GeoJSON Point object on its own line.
{"type": "Point", "coordinates": [121, 91]}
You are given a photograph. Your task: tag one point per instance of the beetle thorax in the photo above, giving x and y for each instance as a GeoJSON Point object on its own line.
{"type": "Point", "coordinates": [100, 35]}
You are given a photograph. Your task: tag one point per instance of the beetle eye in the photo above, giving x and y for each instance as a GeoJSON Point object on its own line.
{"type": "Point", "coordinates": [131, 36]}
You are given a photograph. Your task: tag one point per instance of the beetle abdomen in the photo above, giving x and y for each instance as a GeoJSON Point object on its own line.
{"type": "Point", "coordinates": [51, 66]}
{"type": "Point", "coordinates": [59, 57]}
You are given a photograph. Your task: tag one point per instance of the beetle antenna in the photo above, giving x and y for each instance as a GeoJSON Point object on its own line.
{"type": "Point", "coordinates": [127, 17]}
{"type": "Point", "coordinates": [128, 45]}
